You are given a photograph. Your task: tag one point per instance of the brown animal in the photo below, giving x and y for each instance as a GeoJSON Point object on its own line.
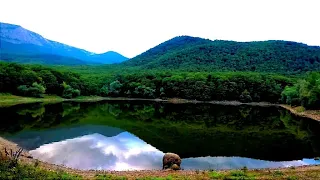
{"type": "Point", "coordinates": [169, 159]}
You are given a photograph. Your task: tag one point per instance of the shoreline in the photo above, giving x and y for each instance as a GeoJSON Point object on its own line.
{"type": "Point", "coordinates": [12, 100]}
{"type": "Point", "coordinates": [311, 114]}
{"type": "Point", "coordinates": [265, 173]}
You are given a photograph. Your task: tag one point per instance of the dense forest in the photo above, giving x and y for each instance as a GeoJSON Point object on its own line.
{"type": "Point", "coordinates": [196, 54]}
{"type": "Point", "coordinates": [246, 87]}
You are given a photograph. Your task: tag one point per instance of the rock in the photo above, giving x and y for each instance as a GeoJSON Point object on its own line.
{"type": "Point", "coordinates": [169, 159]}
{"type": "Point", "coordinates": [175, 167]}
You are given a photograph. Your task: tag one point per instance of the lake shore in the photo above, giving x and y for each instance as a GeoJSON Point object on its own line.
{"type": "Point", "coordinates": [303, 172]}
{"type": "Point", "coordinates": [7, 100]}
{"type": "Point", "coordinates": [311, 114]}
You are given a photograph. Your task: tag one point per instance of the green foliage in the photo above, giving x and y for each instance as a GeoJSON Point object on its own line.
{"type": "Point", "coordinates": [69, 92]}
{"type": "Point", "coordinates": [26, 171]}
{"type": "Point", "coordinates": [104, 91]}
{"type": "Point", "coordinates": [196, 54]}
{"type": "Point", "coordinates": [50, 81]}
{"type": "Point", "coordinates": [13, 75]}
{"type": "Point", "coordinates": [239, 175]}
{"type": "Point", "coordinates": [143, 91]}
{"type": "Point", "coordinates": [245, 96]}
{"type": "Point", "coordinates": [109, 177]}
{"type": "Point", "coordinates": [115, 88]}
{"type": "Point", "coordinates": [36, 90]}
{"type": "Point", "coordinates": [161, 178]}
{"type": "Point", "coordinates": [114, 81]}
{"type": "Point", "coordinates": [278, 173]}
{"type": "Point", "coordinates": [292, 178]}
{"type": "Point", "coordinates": [215, 175]}
{"type": "Point", "coordinates": [305, 92]}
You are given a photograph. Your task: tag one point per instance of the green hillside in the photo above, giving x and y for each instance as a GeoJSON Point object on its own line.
{"type": "Point", "coordinates": [194, 54]}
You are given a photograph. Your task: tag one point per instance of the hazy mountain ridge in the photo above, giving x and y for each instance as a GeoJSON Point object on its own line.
{"type": "Point", "coordinates": [16, 40]}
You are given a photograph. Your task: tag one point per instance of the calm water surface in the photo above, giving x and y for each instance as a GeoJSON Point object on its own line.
{"type": "Point", "coordinates": [121, 135]}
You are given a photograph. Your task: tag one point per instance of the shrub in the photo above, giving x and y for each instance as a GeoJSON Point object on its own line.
{"type": "Point", "coordinates": [69, 92]}
{"type": "Point", "coordinates": [36, 90]}
{"type": "Point", "coordinates": [104, 91]}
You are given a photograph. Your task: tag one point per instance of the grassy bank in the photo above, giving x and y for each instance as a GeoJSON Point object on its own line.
{"type": "Point", "coordinates": [36, 171]}
{"type": "Point", "coordinates": [7, 100]}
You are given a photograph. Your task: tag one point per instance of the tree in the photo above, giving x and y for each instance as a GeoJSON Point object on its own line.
{"type": "Point", "coordinates": [245, 96]}
{"type": "Point", "coordinates": [36, 90]}
{"type": "Point", "coordinates": [104, 91]}
{"type": "Point", "coordinates": [69, 92]}
{"type": "Point", "coordinates": [115, 88]}
{"type": "Point", "coordinates": [304, 92]}
{"type": "Point", "coordinates": [50, 81]}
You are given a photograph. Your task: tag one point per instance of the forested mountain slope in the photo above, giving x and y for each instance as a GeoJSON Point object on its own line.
{"type": "Point", "coordinates": [189, 53]}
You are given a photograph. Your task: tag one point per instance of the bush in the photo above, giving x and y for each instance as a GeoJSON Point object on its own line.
{"type": "Point", "coordinates": [36, 90]}
{"type": "Point", "coordinates": [304, 92]}
{"type": "Point", "coordinates": [69, 92]}
{"type": "Point", "coordinates": [30, 172]}
{"type": "Point", "coordinates": [245, 97]}
{"type": "Point", "coordinates": [104, 91]}
{"type": "Point", "coordinates": [115, 88]}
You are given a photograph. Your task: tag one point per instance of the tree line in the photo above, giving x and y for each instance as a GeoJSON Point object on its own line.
{"type": "Point", "coordinates": [35, 81]}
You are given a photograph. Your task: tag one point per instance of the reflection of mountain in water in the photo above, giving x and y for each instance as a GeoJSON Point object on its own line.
{"type": "Point", "coordinates": [127, 152]}
{"type": "Point", "coordinates": [34, 139]}
{"type": "Point", "coordinates": [190, 130]}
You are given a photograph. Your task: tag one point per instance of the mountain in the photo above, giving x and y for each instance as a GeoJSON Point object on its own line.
{"type": "Point", "coordinates": [192, 53]}
{"type": "Point", "coordinates": [110, 56]}
{"type": "Point", "coordinates": [48, 59]}
{"type": "Point", "coordinates": [168, 47]}
{"type": "Point", "coordinates": [18, 41]}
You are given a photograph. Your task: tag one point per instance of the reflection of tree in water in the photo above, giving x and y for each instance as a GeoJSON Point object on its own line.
{"type": "Point", "coordinates": [35, 111]}
{"type": "Point", "coordinates": [70, 108]}
{"type": "Point", "coordinates": [245, 111]}
{"type": "Point", "coordinates": [303, 128]}
{"type": "Point", "coordinates": [39, 116]}
{"type": "Point", "coordinates": [293, 124]}
{"type": "Point", "coordinates": [114, 109]}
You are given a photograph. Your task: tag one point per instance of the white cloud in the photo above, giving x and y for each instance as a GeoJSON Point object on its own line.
{"type": "Point", "coordinates": [131, 27]}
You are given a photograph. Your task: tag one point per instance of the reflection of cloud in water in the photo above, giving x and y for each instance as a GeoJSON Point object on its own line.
{"type": "Point", "coordinates": [127, 152]}
{"type": "Point", "coordinates": [122, 152]}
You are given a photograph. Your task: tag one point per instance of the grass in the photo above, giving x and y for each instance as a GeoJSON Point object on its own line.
{"type": "Point", "coordinates": [109, 177]}
{"type": "Point", "coordinates": [26, 171]}
{"type": "Point", "coordinates": [300, 109]}
{"type": "Point", "coordinates": [34, 171]}
{"type": "Point", "coordinates": [7, 100]}
{"type": "Point", "coordinates": [233, 174]}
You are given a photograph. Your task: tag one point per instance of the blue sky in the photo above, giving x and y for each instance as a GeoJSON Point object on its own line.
{"type": "Point", "coordinates": [131, 27]}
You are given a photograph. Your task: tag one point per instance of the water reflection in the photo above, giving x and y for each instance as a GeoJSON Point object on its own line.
{"type": "Point", "coordinates": [127, 152]}
{"type": "Point", "coordinates": [121, 152]}
{"type": "Point", "coordinates": [95, 135]}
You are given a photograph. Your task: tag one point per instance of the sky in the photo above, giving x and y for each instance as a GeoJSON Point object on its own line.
{"type": "Point", "coordinates": [131, 27]}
